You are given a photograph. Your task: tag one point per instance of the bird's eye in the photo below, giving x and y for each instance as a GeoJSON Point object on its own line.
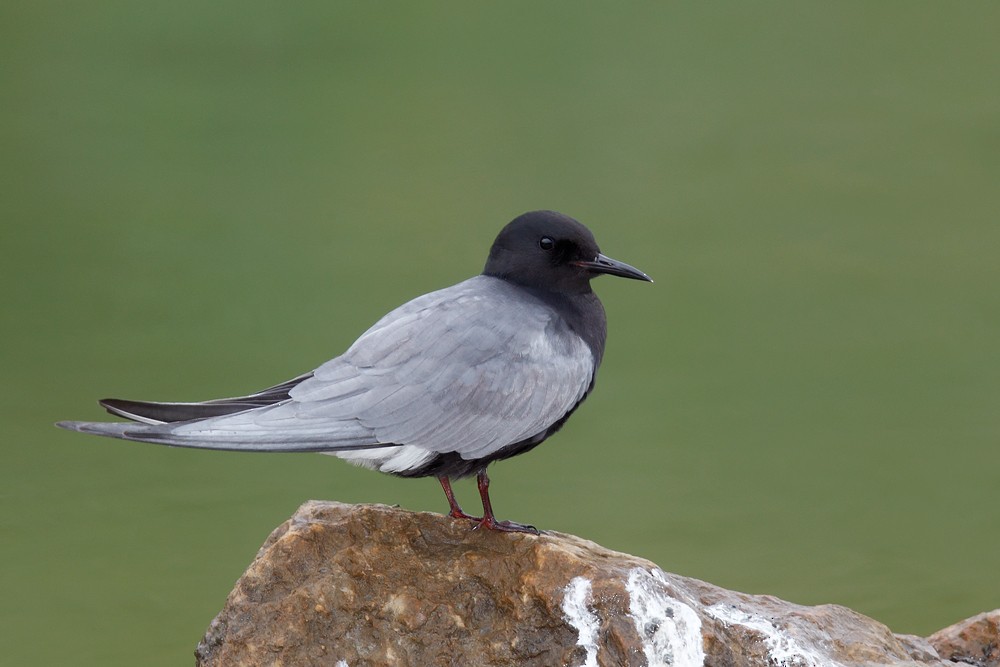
{"type": "Point", "coordinates": [545, 243]}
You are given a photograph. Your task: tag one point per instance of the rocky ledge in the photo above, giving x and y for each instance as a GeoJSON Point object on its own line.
{"type": "Point", "coordinates": [346, 586]}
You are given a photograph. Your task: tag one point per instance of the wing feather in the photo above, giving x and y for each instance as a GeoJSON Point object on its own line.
{"type": "Point", "coordinates": [469, 369]}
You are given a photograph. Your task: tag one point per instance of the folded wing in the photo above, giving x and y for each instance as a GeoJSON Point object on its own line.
{"type": "Point", "coordinates": [468, 369]}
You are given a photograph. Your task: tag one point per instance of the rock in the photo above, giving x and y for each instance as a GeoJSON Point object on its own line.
{"type": "Point", "coordinates": [347, 586]}
{"type": "Point", "coordinates": [975, 641]}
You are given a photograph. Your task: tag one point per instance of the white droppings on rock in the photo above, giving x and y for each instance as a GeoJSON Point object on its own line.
{"type": "Point", "coordinates": [670, 631]}
{"type": "Point", "coordinates": [584, 621]}
{"type": "Point", "coordinates": [784, 650]}
{"type": "Point", "coordinates": [341, 663]}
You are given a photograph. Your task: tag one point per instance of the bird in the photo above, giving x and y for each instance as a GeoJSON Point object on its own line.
{"type": "Point", "coordinates": [442, 386]}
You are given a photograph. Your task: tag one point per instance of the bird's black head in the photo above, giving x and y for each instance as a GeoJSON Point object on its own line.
{"type": "Point", "coordinates": [552, 251]}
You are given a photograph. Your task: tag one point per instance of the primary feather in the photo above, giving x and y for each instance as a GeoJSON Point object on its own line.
{"type": "Point", "coordinates": [153, 412]}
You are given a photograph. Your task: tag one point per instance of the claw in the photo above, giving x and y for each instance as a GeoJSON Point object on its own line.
{"type": "Point", "coordinates": [490, 523]}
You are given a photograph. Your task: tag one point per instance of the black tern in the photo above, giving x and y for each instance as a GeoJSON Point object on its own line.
{"type": "Point", "coordinates": [442, 386]}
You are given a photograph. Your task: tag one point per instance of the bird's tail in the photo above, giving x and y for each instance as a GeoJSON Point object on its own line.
{"type": "Point", "coordinates": [227, 424]}
{"type": "Point", "coordinates": [207, 434]}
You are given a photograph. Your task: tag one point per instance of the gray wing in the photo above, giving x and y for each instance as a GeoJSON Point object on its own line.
{"type": "Point", "coordinates": [467, 369]}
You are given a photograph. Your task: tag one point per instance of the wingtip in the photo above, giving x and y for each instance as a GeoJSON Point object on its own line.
{"type": "Point", "coordinates": [109, 429]}
{"type": "Point", "coordinates": [69, 426]}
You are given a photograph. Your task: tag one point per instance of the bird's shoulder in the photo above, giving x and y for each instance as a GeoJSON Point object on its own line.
{"type": "Point", "coordinates": [482, 313]}
{"type": "Point", "coordinates": [481, 294]}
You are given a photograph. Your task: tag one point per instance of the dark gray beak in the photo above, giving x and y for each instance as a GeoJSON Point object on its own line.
{"type": "Point", "coordinates": [612, 267]}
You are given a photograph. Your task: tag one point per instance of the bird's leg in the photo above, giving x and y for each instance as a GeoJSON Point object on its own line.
{"type": "Point", "coordinates": [489, 521]}
{"type": "Point", "coordinates": [456, 511]}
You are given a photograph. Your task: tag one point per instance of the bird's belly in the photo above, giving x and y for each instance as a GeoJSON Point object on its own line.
{"type": "Point", "coordinates": [394, 459]}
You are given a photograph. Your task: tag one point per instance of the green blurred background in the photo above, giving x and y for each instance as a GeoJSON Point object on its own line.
{"type": "Point", "coordinates": [201, 199]}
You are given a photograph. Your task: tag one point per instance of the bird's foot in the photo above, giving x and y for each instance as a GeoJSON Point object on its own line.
{"type": "Point", "coordinates": [490, 523]}
{"type": "Point", "coordinates": [459, 514]}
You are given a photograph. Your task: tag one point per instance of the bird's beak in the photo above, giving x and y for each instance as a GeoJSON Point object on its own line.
{"type": "Point", "coordinates": [604, 264]}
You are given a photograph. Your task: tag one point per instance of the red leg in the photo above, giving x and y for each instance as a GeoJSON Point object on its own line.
{"type": "Point", "coordinates": [489, 521]}
{"type": "Point", "coordinates": [456, 511]}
